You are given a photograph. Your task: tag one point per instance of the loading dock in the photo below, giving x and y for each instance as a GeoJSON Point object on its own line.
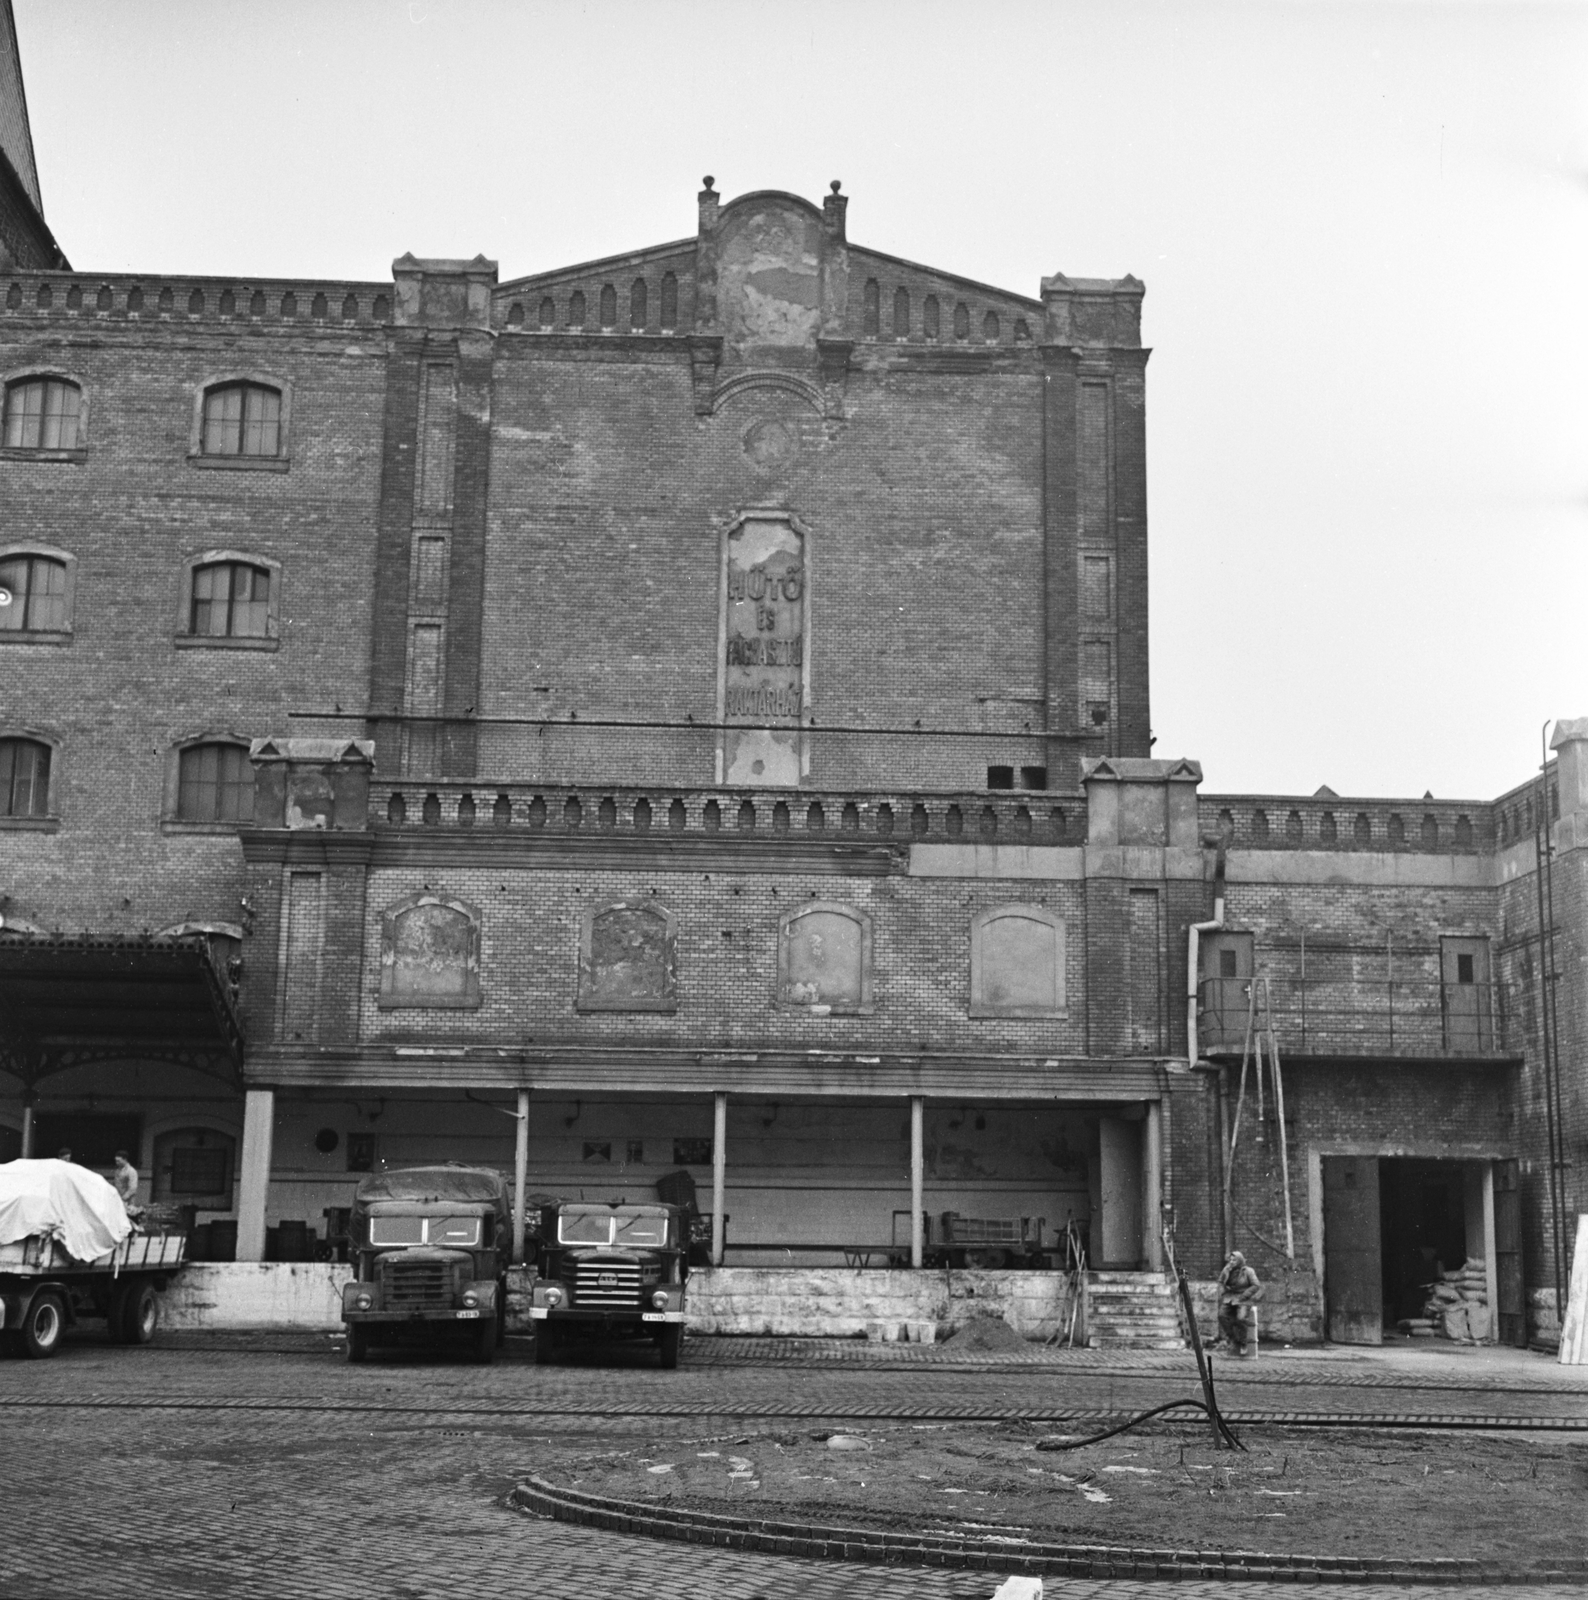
{"type": "Point", "coordinates": [1391, 1222]}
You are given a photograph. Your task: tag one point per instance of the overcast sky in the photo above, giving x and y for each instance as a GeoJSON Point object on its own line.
{"type": "Point", "coordinates": [1363, 230]}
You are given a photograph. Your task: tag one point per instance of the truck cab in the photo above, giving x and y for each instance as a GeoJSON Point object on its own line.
{"type": "Point", "coordinates": [430, 1247]}
{"type": "Point", "coordinates": [609, 1271]}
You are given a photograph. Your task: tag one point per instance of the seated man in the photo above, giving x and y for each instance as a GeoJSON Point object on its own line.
{"type": "Point", "coordinates": [1239, 1292]}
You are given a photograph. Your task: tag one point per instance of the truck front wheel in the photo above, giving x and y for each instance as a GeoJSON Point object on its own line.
{"type": "Point", "coordinates": [43, 1325]}
{"type": "Point", "coordinates": [357, 1342]}
{"type": "Point", "coordinates": [668, 1341]}
{"type": "Point", "coordinates": [545, 1344]}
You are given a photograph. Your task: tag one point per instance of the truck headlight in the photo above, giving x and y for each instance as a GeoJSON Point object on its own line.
{"type": "Point", "coordinates": [363, 1302]}
{"type": "Point", "coordinates": [661, 1300]}
{"type": "Point", "coordinates": [554, 1296]}
{"type": "Point", "coordinates": [470, 1298]}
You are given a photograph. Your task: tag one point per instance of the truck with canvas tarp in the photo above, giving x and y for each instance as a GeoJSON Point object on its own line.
{"type": "Point", "coordinates": [68, 1250]}
{"type": "Point", "coordinates": [430, 1247]}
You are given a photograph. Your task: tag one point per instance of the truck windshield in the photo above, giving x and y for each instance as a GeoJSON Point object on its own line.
{"type": "Point", "coordinates": [585, 1227]}
{"type": "Point", "coordinates": [460, 1232]}
{"type": "Point", "coordinates": [641, 1230]}
{"type": "Point", "coordinates": [396, 1230]}
{"type": "Point", "coordinates": [611, 1227]}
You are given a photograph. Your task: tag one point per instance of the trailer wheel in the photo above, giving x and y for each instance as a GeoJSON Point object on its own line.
{"type": "Point", "coordinates": [357, 1343]}
{"type": "Point", "coordinates": [43, 1326]}
{"type": "Point", "coordinates": [545, 1344]}
{"type": "Point", "coordinates": [667, 1342]}
{"type": "Point", "coordinates": [140, 1314]}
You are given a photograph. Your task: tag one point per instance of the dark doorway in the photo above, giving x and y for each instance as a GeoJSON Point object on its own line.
{"type": "Point", "coordinates": [92, 1138]}
{"type": "Point", "coordinates": [1423, 1230]}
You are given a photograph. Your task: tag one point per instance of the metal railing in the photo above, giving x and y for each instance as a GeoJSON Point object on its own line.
{"type": "Point", "coordinates": [1349, 1015]}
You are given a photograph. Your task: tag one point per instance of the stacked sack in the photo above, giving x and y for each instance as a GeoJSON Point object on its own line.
{"type": "Point", "coordinates": [1457, 1307]}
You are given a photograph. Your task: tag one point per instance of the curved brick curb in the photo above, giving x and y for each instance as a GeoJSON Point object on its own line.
{"type": "Point", "coordinates": [1034, 1558]}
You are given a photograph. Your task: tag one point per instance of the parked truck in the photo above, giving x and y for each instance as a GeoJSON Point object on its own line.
{"type": "Point", "coordinates": [430, 1248]}
{"type": "Point", "coordinates": [609, 1271]}
{"type": "Point", "coordinates": [68, 1250]}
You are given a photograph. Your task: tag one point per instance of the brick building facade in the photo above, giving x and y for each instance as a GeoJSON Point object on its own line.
{"type": "Point", "coordinates": [693, 708]}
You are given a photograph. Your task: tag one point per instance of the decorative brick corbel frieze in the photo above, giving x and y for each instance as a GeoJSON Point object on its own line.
{"type": "Point", "coordinates": [705, 356]}
{"type": "Point", "coordinates": [833, 355]}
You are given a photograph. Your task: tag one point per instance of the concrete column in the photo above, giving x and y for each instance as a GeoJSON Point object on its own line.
{"type": "Point", "coordinates": [719, 1175]}
{"type": "Point", "coordinates": [917, 1180]}
{"type": "Point", "coordinates": [1491, 1264]}
{"type": "Point", "coordinates": [1152, 1187]}
{"type": "Point", "coordinates": [520, 1173]}
{"type": "Point", "coordinates": [27, 1128]}
{"type": "Point", "coordinates": [253, 1183]}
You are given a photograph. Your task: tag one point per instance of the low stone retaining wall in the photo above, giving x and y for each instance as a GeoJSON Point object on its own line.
{"type": "Point", "coordinates": [1291, 1311]}
{"type": "Point", "coordinates": [836, 1302]}
{"type": "Point", "coordinates": [305, 1295]}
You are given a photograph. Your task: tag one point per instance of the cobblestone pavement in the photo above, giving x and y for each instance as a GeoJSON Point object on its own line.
{"type": "Point", "coordinates": [264, 1466]}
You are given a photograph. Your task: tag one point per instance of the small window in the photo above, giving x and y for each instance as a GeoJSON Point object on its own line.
{"type": "Point", "coordinates": [548, 311]}
{"type": "Point", "coordinates": [1033, 777]}
{"type": "Point", "coordinates": [989, 327]}
{"type": "Point", "coordinates": [669, 300]}
{"type": "Point", "coordinates": [901, 313]}
{"type": "Point", "coordinates": [33, 593]}
{"type": "Point", "coordinates": [961, 321]}
{"type": "Point", "coordinates": [1000, 777]}
{"type": "Point", "coordinates": [576, 309]}
{"type": "Point", "coordinates": [42, 414]}
{"type": "Point", "coordinates": [24, 778]}
{"type": "Point", "coordinates": [609, 306]}
{"type": "Point", "coordinates": [871, 315]}
{"type": "Point", "coordinates": [691, 1152]}
{"type": "Point", "coordinates": [1464, 972]}
{"type": "Point", "coordinates": [929, 316]}
{"type": "Point", "coordinates": [215, 783]}
{"type": "Point", "coordinates": [637, 305]}
{"type": "Point", "coordinates": [242, 419]}
{"type": "Point", "coordinates": [1228, 961]}
{"type": "Point", "coordinates": [231, 600]}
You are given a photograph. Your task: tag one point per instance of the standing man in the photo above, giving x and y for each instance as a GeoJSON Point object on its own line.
{"type": "Point", "coordinates": [1239, 1291]}
{"type": "Point", "coordinates": [126, 1180]}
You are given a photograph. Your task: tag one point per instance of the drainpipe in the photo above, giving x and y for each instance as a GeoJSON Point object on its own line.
{"type": "Point", "coordinates": [1192, 1045]}
{"type": "Point", "coordinates": [1193, 940]}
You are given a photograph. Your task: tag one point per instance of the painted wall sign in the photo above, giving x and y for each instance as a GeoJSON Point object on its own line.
{"type": "Point", "coordinates": [763, 666]}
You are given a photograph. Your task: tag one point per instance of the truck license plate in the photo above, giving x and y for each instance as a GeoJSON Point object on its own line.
{"type": "Point", "coordinates": [462, 1315]}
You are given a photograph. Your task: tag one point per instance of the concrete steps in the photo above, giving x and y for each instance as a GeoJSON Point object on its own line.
{"type": "Point", "coordinates": [1132, 1311]}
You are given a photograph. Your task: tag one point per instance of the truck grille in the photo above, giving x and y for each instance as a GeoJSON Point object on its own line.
{"type": "Point", "coordinates": [416, 1285]}
{"type": "Point", "coordinates": [607, 1283]}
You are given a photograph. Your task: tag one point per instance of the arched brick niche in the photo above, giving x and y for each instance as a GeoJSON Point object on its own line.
{"type": "Point", "coordinates": [628, 958]}
{"type": "Point", "coordinates": [824, 959]}
{"type": "Point", "coordinates": [430, 954]}
{"type": "Point", "coordinates": [1017, 962]}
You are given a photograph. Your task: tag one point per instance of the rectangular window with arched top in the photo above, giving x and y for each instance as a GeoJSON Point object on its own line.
{"type": "Point", "coordinates": [35, 592]}
{"type": "Point", "coordinates": [24, 778]}
{"type": "Point", "coordinates": [242, 419]}
{"type": "Point", "coordinates": [215, 783]}
{"type": "Point", "coordinates": [42, 414]}
{"type": "Point", "coordinates": [231, 599]}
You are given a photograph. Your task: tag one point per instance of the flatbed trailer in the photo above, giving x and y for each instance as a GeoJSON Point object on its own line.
{"type": "Point", "coordinates": [44, 1291]}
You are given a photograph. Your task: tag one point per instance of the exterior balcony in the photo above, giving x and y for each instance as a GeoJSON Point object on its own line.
{"type": "Point", "coordinates": [1340, 1017]}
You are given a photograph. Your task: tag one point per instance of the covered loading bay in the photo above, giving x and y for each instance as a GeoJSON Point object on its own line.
{"type": "Point", "coordinates": [1391, 1224]}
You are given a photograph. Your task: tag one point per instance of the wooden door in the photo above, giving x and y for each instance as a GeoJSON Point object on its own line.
{"type": "Point", "coordinates": [1226, 985]}
{"type": "Point", "coordinates": [1512, 1309]}
{"type": "Point", "coordinates": [1353, 1273]}
{"type": "Point", "coordinates": [1464, 979]}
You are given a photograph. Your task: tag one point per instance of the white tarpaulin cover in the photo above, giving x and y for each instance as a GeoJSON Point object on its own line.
{"type": "Point", "coordinates": [64, 1201]}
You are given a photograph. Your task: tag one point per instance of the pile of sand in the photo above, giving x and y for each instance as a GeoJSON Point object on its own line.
{"type": "Point", "coordinates": [984, 1331]}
